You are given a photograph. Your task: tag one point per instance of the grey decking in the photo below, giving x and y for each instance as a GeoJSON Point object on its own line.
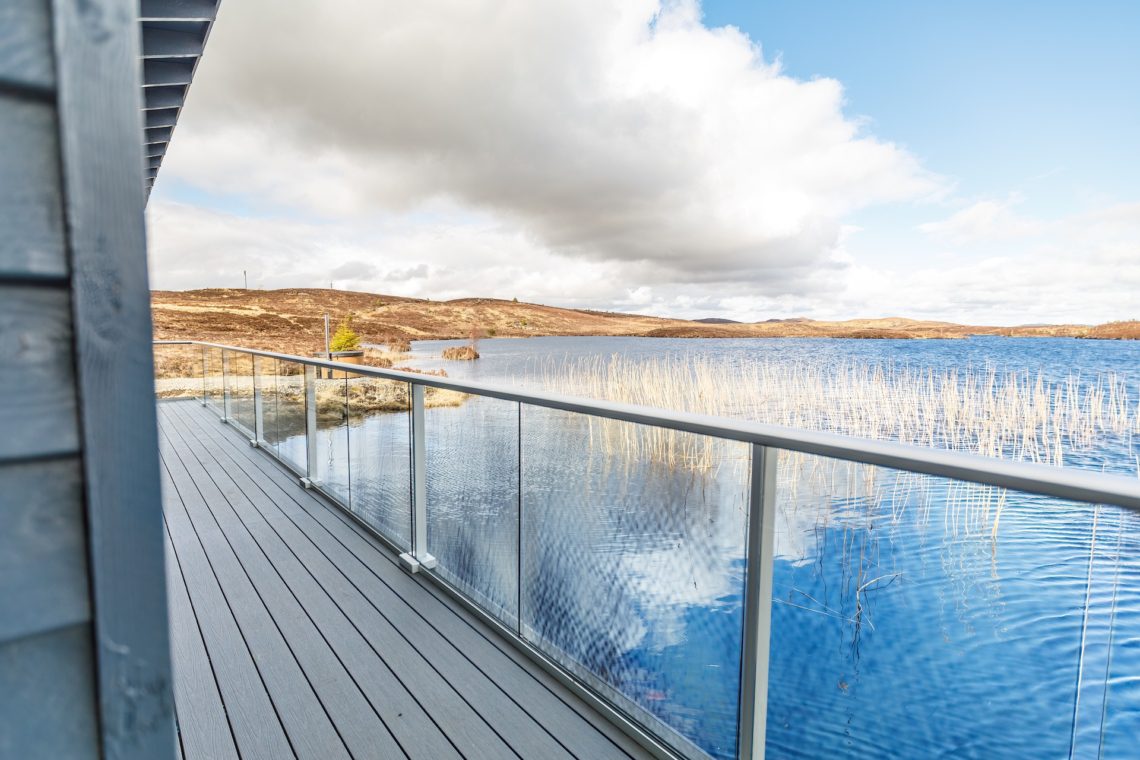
{"type": "Point", "coordinates": [295, 633]}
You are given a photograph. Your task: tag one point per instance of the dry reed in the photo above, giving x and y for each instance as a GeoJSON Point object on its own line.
{"type": "Point", "coordinates": [462, 353]}
{"type": "Point", "coordinates": [1015, 416]}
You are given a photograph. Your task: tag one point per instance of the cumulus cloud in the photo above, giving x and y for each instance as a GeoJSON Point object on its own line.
{"type": "Point", "coordinates": [984, 220]}
{"type": "Point", "coordinates": [622, 134]}
{"type": "Point", "coordinates": [610, 154]}
{"type": "Point", "coordinates": [193, 247]}
{"type": "Point", "coordinates": [1086, 269]}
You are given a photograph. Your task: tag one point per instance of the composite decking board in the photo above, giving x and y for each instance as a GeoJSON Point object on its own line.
{"type": "Point", "coordinates": [256, 727]}
{"type": "Point", "coordinates": [359, 723]}
{"type": "Point", "coordinates": [375, 651]}
{"type": "Point", "coordinates": [525, 690]}
{"type": "Point", "coordinates": [304, 717]}
{"type": "Point", "coordinates": [203, 728]}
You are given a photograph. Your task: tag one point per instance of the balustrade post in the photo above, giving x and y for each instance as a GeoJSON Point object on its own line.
{"type": "Point", "coordinates": [418, 558]}
{"type": "Point", "coordinates": [205, 387]}
{"type": "Point", "coordinates": [225, 386]}
{"type": "Point", "coordinates": [758, 604]}
{"type": "Point", "coordinates": [258, 421]}
{"type": "Point", "coordinates": [310, 478]}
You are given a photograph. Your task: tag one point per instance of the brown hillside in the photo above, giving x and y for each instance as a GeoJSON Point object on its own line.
{"type": "Point", "coordinates": [1116, 331]}
{"type": "Point", "coordinates": [291, 320]}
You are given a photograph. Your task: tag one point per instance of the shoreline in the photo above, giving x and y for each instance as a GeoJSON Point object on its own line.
{"type": "Point", "coordinates": [293, 317]}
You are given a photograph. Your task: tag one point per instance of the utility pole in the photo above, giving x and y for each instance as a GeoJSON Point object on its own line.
{"type": "Point", "coordinates": [328, 354]}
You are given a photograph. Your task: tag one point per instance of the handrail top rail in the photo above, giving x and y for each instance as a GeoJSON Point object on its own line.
{"type": "Point", "coordinates": [1030, 477]}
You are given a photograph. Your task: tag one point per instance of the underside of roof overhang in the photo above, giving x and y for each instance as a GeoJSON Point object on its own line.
{"type": "Point", "coordinates": [174, 34]}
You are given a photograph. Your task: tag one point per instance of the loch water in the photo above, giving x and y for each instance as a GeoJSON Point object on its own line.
{"type": "Point", "coordinates": [907, 621]}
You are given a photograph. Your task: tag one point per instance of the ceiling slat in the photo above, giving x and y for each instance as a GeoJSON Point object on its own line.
{"type": "Point", "coordinates": [174, 34]}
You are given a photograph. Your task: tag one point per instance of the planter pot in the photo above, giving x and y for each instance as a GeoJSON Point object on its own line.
{"type": "Point", "coordinates": [347, 357]}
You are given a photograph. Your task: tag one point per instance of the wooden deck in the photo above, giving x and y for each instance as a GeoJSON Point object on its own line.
{"type": "Point", "coordinates": [296, 634]}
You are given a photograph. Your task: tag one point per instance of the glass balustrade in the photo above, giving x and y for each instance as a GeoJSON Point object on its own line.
{"type": "Point", "coordinates": [910, 615]}
{"type": "Point", "coordinates": [289, 421]}
{"type": "Point", "coordinates": [472, 478]}
{"type": "Point", "coordinates": [379, 461]}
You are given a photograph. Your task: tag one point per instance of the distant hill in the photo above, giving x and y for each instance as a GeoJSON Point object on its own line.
{"type": "Point", "coordinates": [292, 320]}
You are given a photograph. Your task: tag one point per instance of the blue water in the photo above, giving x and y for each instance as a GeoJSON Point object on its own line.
{"type": "Point", "coordinates": [904, 623]}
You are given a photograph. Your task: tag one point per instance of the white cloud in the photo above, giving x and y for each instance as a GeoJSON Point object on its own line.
{"type": "Point", "coordinates": [622, 134]}
{"type": "Point", "coordinates": [192, 247]}
{"type": "Point", "coordinates": [597, 153]}
{"type": "Point", "coordinates": [985, 220]}
{"type": "Point", "coordinates": [1086, 270]}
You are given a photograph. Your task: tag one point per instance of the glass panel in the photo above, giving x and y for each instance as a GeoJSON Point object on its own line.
{"type": "Point", "coordinates": [379, 431]}
{"type": "Point", "coordinates": [289, 416]}
{"type": "Point", "coordinates": [916, 616]}
{"type": "Point", "coordinates": [633, 557]}
{"type": "Point", "coordinates": [265, 379]}
{"type": "Point", "coordinates": [215, 395]}
{"type": "Point", "coordinates": [239, 390]}
{"type": "Point", "coordinates": [473, 497]}
{"type": "Point", "coordinates": [1108, 711]}
{"type": "Point", "coordinates": [177, 371]}
{"type": "Point", "coordinates": [332, 435]}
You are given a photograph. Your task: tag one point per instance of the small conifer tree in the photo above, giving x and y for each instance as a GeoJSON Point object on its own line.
{"type": "Point", "coordinates": [345, 338]}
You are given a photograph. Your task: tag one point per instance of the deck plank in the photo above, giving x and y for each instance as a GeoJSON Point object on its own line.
{"type": "Point", "coordinates": [487, 697]}
{"type": "Point", "coordinates": [410, 601]}
{"type": "Point", "coordinates": [402, 602]}
{"type": "Point", "coordinates": [335, 680]}
{"type": "Point", "coordinates": [204, 730]}
{"type": "Point", "coordinates": [257, 729]}
{"type": "Point", "coordinates": [352, 619]}
{"type": "Point", "coordinates": [305, 719]}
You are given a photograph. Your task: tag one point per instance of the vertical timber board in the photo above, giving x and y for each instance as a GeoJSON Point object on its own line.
{"type": "Point", "coordinates": [97, 71]}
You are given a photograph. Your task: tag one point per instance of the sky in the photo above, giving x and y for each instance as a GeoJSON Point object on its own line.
{"type": "Point", "coordinates": [969, 161]}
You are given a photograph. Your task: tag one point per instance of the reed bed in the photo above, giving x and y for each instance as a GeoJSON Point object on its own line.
{"type": "Point", "coordinates": [1015, 416]}
{"type": "Point", "coordinates": [1020, 416]}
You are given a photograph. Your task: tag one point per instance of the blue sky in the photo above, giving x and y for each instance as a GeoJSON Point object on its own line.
{"type": "Point", "coordinates": [970, 161]}
{"type": "Point", "coordinates": [1039, 97]}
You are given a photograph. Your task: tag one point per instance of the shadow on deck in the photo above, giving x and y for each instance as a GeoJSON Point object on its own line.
{"type": "Point", "coordinates": [296, 634]}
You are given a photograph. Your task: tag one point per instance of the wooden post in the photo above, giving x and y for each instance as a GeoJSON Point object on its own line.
{"type": "Point", "coordinates": [98, 100]}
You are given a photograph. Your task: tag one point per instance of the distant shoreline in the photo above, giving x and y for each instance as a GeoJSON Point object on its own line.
{"type": "Point", "coordinates": [292, 320]}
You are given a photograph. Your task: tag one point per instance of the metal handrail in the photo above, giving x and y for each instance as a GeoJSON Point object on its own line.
{"type": "Point", "coordinates": [1030, 477]}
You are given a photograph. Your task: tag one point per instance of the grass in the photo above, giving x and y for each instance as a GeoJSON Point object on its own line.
{"type": "Point", "coordinates": [178, 372]}
{"type": "Point", "coordinates": [461, 353]}
{"type": "Point", "coordinates": [336, 398]}
{"type": "Point", "coordinates": [398, 345]}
